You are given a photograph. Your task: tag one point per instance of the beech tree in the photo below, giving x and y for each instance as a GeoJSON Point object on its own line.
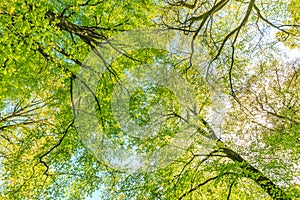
{"type": "Point", "coordinates": [235, 137]}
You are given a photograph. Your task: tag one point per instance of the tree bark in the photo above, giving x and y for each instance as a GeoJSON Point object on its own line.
{"type": "Point", "coordinates": [254, 174]}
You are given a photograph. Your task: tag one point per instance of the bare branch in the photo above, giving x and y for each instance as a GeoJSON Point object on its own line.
{"type": "Point", "coordinates": [229, 192]}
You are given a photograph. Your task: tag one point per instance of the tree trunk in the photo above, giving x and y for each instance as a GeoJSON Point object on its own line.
{"type": "Point", "coordinates": [254, 174]}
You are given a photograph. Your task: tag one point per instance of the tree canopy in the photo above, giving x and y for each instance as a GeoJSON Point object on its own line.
{"type": "Point", "coordinates": [146, 99]}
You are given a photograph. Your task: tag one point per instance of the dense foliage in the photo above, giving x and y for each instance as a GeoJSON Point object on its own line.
{"type": "Point", "coordinates": [246, 105]}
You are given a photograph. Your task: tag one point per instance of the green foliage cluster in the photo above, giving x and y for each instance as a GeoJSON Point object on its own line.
{"type": "Point", "coordinates": [44, 45]}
